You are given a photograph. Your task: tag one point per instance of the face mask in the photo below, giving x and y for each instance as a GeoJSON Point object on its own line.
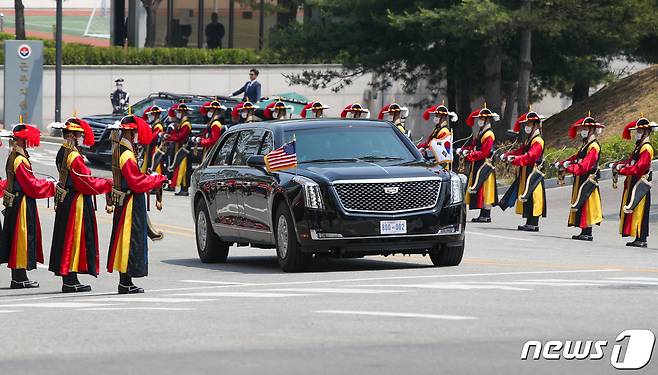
{"type": "Point", "coordinates": [171, 119]}
{"type": "Point", "coordinates": [275, 114]}
{"type": "Point", "coordinates": [210, 114]}
{"type": "Point", "coordinates": [244, 114]}
{"type": "Point", "coordinates": [437, 120]}
{"type": "Point", "coordinates": [389, 117]}
{"type": "Point", "coordinates": [179, 116]}
{"type": "Point", "coordinates": [150, 118]}
{"type": "Point", "coordinates": [480, 122]}
{"type": "Point", "coordinates": [528, 129]}
{"type": "Point", "coordinates": [639, 136]}
{"type": "Point", "coordinates": [584, 133]}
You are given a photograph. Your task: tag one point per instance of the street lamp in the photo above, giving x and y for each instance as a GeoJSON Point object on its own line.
{"type": "Point", "coordinates": [58, 62]}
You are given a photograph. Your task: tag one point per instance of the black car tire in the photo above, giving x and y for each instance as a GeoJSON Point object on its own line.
{"type": "Point", "coordinates": [213, 249]}
{"type": "Point", "coordinates": [292, 259]}
{"type": "Point", "coordinates": [447, 256]}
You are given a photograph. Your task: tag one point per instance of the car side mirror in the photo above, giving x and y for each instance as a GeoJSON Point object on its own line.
{"type": "Point", "coordinates": [256, 161]}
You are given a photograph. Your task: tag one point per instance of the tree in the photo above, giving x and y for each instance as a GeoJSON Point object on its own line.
{"type": "Point", "coordinates": [151, 7]}
{"type": "Point", "coordinates": [468, 49]}
{"type": "Point", "coordinates": [19, 9]}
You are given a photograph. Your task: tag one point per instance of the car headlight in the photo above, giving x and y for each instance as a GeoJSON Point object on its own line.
{"type": "Point", "coordinates": [457, 184]}
{"type": "Point", "coordinates": [312, 194]}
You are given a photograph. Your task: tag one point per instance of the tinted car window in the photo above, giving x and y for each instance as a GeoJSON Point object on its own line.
{"type": "Point", "coordinates": [268, 144]}
{"type": "Point", "coordinates": [221, 158]}
{"type": "Point", "coordinates": [244, 148]}
{"type": "Point", "coordinates": [349, 142]}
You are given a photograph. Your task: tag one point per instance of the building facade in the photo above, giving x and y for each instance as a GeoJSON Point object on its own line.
{"type": "Point", "coordinates": [189, 23]}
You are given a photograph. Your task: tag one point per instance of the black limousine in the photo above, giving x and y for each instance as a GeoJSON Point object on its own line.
{"type": "Point", "coordinates": [360, 188]}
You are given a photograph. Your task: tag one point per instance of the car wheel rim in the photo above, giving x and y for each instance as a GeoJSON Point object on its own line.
{"type": "Point", "coordinates": [282, 237]}
{"type": "Point", "coordinates": [201, 230]}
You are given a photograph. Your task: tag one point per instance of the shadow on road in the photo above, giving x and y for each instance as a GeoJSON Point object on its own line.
{"type": "Point", "coordinates": [269, 264]}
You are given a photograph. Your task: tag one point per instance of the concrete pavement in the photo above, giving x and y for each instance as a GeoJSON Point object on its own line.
{"type": "Point", "coordinates": [374, 315]}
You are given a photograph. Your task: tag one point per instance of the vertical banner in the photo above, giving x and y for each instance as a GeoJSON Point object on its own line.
{"type": "Point", "coordinates": [23, 82]}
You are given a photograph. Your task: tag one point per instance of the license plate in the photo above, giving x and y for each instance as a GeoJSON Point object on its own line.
{"type": "Point", "coordinates": [393, 227]}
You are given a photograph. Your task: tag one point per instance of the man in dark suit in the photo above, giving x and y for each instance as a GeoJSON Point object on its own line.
{"type": "Point", "coordinates": [251, 89]}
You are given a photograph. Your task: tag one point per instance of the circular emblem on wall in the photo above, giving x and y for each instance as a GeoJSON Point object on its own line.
{"type": "Point", "coordinates": [24, 51]}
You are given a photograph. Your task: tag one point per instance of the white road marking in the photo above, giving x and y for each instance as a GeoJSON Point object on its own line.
{"type": "Point", "coordinates": [59, 305]}
{"type": "Point", "coordinates": [333, 290]}
{"type": "Point", "coordinates": [610, 281]}
{"type": "Point", "coordinates": [211, 282]}
{"type": "Point", "coordinates": [243, 294]}
{"type": "Point", "coordinates": [499, 236]}
{"type": "Point", "coordinates": [396, 314]}
{"type": "Point", "coordinates": [635, 278]}
{"type": "Point", "coordinates": [42, 266]}
{"type": "Point", "coordinates": [137, 308]}
{"type": "Point", "coordinates": [147, 299]}
{"type": "Point", "coordinates": [453, 286]}
{"type": "Point", "coordinates": [9, 311]}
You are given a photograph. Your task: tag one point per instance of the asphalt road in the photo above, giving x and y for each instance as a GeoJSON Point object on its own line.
{"type": "Point", "coordinates": [366, 316]}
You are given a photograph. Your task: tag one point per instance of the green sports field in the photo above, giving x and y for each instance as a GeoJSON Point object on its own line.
{"type": "Point", "coordinates": [72, 25]}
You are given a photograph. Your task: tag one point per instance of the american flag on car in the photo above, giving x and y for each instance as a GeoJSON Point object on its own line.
{"type": "Point", "coordinates": [284, 157]}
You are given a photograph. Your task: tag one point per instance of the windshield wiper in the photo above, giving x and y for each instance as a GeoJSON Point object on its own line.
{"type": "Point", "coordinates": [373, 157]}
{"type": "Point", "coordinates": [328, 160]}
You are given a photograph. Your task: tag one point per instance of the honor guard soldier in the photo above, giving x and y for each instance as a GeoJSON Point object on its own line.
{"type": "Point", "coordinates": [585, 207]}
{"type": "Point", "coordinates": [119, 98]}
{"type": "Point", "coordinates": [355, 110]}
{"type": "Point", "coordinates": [396, 114]}
{"type": "Point", "coordinates": [180, 137]}
{"type": "Point", "coordinates": [439, 142]}
{"type": "Point", "coordinates": [277, 111]}
{"type": "Point", "coordinates": [153, 116]}
{"type": "Point", "coordinates": [128, 253]}
{"type": "Point", "coordinates": [314, 110]}
{"type": "Point", "coordinates": [527, 192]}
{"type": "Point", "coordinates": [214, 111]}
{"type": "Point", "coordinates": [636, 199]}
{"type": "Point", "coordinates": [243, 112]}
{"type": "Point", "coordinates": [21, 246]}
{"type": "Point", "coordinates": [481, 192]}
{"type": "Point", "coordinates": [74, 248]}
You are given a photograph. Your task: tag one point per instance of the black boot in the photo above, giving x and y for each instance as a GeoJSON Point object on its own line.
{"type": "Point", "coordinates": [169, 188]}
{"type": "Point", "coordinates": [531, 224]}
{"type": "Point", "coordinates": [183, 192]}
{"type": "Point", "coordinates": [585, 235]}
{"type": "Point", "coordinates": [126, 285]}
{"type": "Point", "coordinates": [71, 284]}
{"type": "Point", "coordinates": [485, 216]}
{"type": "Point", "coordinates": [19, 280]}
{"type": "Point", "coordinates": [639, 242]}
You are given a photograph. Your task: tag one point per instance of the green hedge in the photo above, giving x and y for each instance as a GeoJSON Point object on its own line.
{"type": "Point", "coordinates": [82, 54]}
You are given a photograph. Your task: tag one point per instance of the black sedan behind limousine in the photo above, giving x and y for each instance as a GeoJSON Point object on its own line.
{"type": "Point", "coordinates": [360, 188]}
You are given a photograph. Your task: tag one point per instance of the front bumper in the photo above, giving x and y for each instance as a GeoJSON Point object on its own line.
{"type": "Point", "coordinates": [329, 231]}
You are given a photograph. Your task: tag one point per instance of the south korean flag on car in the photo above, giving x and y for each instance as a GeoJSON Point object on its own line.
{"type": "Point", "coordinates": [442, 149]}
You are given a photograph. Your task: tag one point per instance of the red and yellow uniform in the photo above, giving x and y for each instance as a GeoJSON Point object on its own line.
{"type": "Point", "coordinates": [636, 199]}
{"type": "Point", "coordinates": [157, 131]}
{"type": "Point", "coordinates": [21, 246]}
{"type": "Point", "coordinates": [213, 110]}
{"type": "Point", "coordinates": [584, 165]}
{"type": "Point", "coordinates": [354, 110]}
{"type": "Point", "coordinates": [181, 167]}
{"type": "Point", "coordinates": [74, 247]}
{"type": "Point", "coordinates": [527, 157]}
{"type": "Point", "coordinates": [480, 152]}
{"type": "Point", "coordinates": [128, 252]}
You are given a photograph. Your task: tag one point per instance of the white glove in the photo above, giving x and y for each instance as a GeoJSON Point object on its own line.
{"type": "Point", "coordinates": [618, 167]}
{"type": "Point", "coordinates": [465, 153]}
{"type": "Point", "coordinates": [155, 174]}
{"type": "Point", "coordinates": [557, 164]}
{"type": "Point", "coordinates": [566, 164]}
{"type": "Point", "coordinates": [612, 165]}
{"type": "Point", "coordinates": [458, 151]}
{"type": "Point", "coordinates": [503, 157]}
{"type": "Point", "coordinates": [510, 158]}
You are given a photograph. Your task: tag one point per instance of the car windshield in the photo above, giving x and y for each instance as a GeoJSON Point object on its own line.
{"type": "Point", "coordinates": [349, 143]}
